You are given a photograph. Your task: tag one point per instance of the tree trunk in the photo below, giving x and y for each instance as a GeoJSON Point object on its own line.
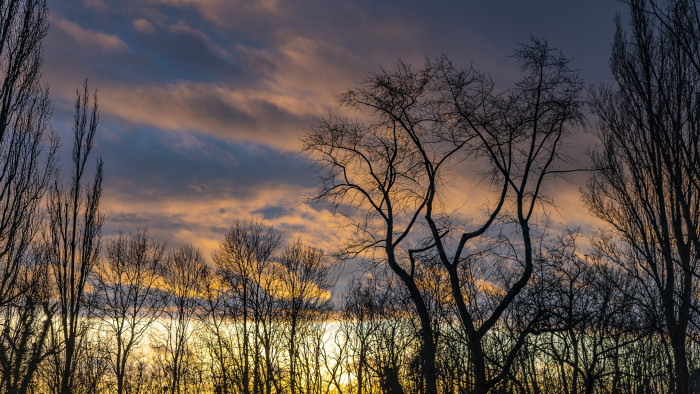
{"type": "Point", "coordinates": [427, 338]}
{"type": "Point", "coordinates": [680, 362]}
{"type": "Point", "coordinates": [479, 365]}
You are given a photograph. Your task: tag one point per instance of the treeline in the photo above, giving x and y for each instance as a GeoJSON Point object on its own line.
{"type": "Point", "coordinates": [450, 300]}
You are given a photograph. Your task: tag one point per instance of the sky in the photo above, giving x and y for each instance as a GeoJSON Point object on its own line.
{"type": "Point", "coordinates": [202, 102]}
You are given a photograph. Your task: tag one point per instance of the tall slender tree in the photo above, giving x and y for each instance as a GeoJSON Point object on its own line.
{"type": "Point", "coordinates": [27, 158]}
{"type": "Point", "coordinates": [74, 241]}
{"type": "Point", "coordinates": [647, 183]}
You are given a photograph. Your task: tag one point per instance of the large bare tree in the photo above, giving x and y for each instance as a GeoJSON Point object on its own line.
{"type": "Point", "coordinates": [388, 174]}
{"type": "Point", "coordinates": [375, 175]}
{"type": "Point", "coordinates": [522, 138]}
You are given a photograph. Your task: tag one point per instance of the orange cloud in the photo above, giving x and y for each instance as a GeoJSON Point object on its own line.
{"type": "Point", "coordinates": [144, 26]}
{"type": "Point", "coordinates": [91, 38]}
{"type": "Point", "coordinates": [202, 221]}
{"type": "Point", "coordinates": [268, 118]}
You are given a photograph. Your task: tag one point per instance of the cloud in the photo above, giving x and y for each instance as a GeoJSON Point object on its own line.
{"type": "Point", "coordinates": [97, 5]}
{"type": "Point", "coordinates": [203, 221]}
{"type": "Point", "coordinates": [271, 212]}
{"type": "Point", "coordinates": [183, 28]}
{"type": "Point", "coordinates": [188, 188]}
{"type": "Point", "coordinates": [186, 76]}
{"type": "Point", "coordinates": [223, 12]}
{"type": "Point", "coordinates": [88, 38]}
{"type": "Point", "coordinates": [153, 164]}
{"type": "Point", "coordinates": [228, 113]}
{"type": "Point", "coordinates": [292, 86]}
{"type": "Point", "coordinates": [202, 100]}
{"type": "Point", "coordinates": [144, 26]}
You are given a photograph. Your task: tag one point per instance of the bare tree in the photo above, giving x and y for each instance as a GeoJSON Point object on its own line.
{"type": "Point", "coordinates": [380, 338]}
{"type": "Point", "coordinates": [27, 156]}
{"type": "Point", "coordinates": [362, 307]}
{"type": "Point", "coordinates": [183, 272]}
{"type": "Point", "coordinates": [522, 140]}
{"type": "Point", "coordinates": [306, 279]}
{"type": "Point", "coordinates": [243, 262]}
{"type": "Point", "coordinates": [74, 240]}
{"type": "Point", "coordinates": [423, 123]}
{"type": "Point", "coordinates": [128, 300]}
{"type": "Point", "coordinates": [589, 321]}
{"type": "Point", "coordinates": [646, 186]}
{"type": "Point", "coordinates": [218, 332]}
{"type": "Point", "coordinates": [374, 175]}
{"type": "Point", "coordinates": [24, 114]}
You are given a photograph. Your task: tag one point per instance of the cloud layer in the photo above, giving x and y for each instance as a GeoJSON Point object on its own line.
{"type": "Point", "coordinates": [202, 101]}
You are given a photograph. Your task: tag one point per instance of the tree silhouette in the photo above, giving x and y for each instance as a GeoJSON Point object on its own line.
{"type": "Point", "coordinates": [127, 297]}
{"type": "Point", "coordinates": [393, 168]}
{"type": "Point", "coordinates": [74, 241]}
{"type": "Point", "coordinates": [243, 262]}
{"type": "Point", "coordinates": [27, 158]}
{"type": "Point", "coordinates": [646, 180]}
{"type": "Point", "coordinates": [183, 272]}
{"type": "Point", "coordinates": [522, 138]}
{"type": "Point", "coordinates": [306, 279]}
